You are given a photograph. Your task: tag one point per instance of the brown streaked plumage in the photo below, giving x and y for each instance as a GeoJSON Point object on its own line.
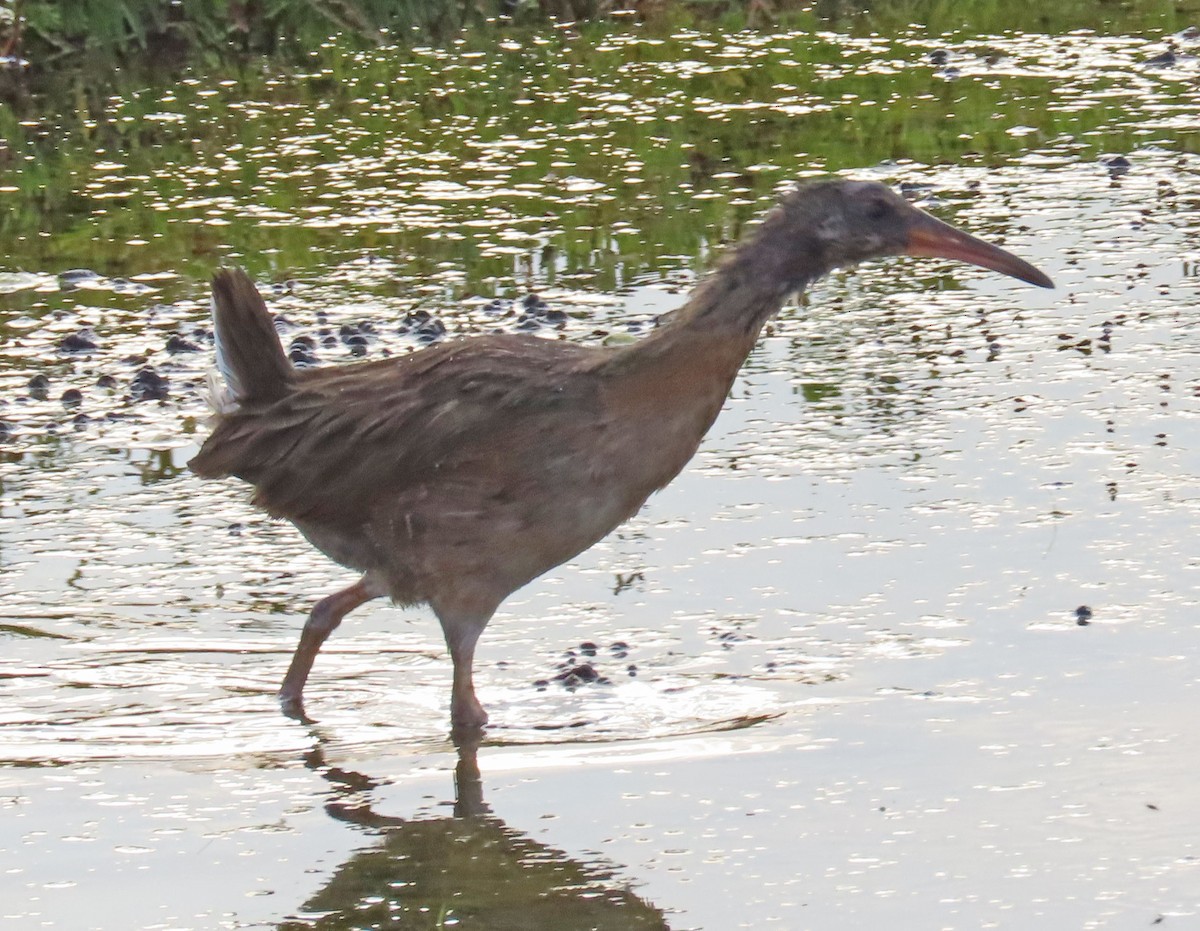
{"type": "Point", "coordinates": [457, 474]}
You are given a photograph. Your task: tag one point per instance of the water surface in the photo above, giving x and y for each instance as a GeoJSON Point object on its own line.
{"type": "Point", "coordinates": [844, 678]}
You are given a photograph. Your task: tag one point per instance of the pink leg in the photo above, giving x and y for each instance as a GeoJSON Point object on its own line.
{"type": "Point", "coordinates": [324, 619]}
{"type": "Point", "coordinates": [462, 628]}
{"type": "Point", "coordinates": [465, 710]}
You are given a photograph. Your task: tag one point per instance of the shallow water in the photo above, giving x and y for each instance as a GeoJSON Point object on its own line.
{"type": "Point", "coordinates": [844, 678]}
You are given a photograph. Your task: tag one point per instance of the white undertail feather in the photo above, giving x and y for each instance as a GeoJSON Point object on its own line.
{"type": "Point", "coordinates": [223, 388]}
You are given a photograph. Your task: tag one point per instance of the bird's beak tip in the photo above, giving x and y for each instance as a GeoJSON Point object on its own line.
{"type": "Point", "coordinates": [1029, 275]}
{"type": "Point", "coordinates": [1041, 280]}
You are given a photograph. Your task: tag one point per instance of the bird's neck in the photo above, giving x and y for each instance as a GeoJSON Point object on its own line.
{"type": "Point", "coordinates": [695, 353]}
{"type": "Point", "coordinates": [667, 389]}
{"type": "Point", "coordinates": [729, 304]}
{"type": "Point", "coordinates": [706, 340]}
{"type": "Point", "coordinates": [729, 307]}
{"type": "Point", "coordinates": [751, 283]}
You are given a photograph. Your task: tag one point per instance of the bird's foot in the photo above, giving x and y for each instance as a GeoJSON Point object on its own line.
{"type": "Point", "coordinates": [292, 707]}
{"type": "Point", "coordinates": [467, 734]}
{"type": "Point", "coordinates": [467, 716]}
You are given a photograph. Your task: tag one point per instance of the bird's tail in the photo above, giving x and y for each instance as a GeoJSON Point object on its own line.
{"type": "Point", "coordinates": [250, 357]}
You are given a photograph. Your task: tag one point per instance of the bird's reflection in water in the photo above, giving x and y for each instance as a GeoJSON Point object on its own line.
{"type": "Point", "coordinates": [468, 870]}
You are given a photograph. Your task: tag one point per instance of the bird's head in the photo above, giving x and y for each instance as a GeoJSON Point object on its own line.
{"type": "Point", "coordinates": [840, 223]}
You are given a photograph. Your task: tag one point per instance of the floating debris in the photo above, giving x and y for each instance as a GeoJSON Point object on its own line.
{"type": "Point", "coordinates": [77, 277]}
{"type": "Point", "coordinates": [39, 387]}
{"type": "Point", "coordinates": [83, 341]}
{"type": "Point", "coordinates": [1117, 165]}
{"type": "Point", "coordinates": [176, 344]}
{"type": "Point", "coordinates": [148, 385]}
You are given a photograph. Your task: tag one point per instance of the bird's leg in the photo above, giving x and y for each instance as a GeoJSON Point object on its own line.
{"type": "Point", "coordinates": [462, 630]}
{"type": "Point", "coordinates": [465, 710]}
{"type": "Point", "coordinates": [324, 619]}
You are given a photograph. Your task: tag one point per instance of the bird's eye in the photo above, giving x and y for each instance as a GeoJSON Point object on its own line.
{"type": "Point", "coordinates": [878, 209]}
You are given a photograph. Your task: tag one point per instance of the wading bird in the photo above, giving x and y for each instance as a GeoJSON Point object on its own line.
{"type": "Point", "coordinates": [457, 474]}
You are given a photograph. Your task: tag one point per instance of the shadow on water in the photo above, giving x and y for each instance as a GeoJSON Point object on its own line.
{"type": "Point", "coordinates": [468, 869]}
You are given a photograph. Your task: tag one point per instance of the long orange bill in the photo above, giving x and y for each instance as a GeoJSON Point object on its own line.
{"type": "Point", "coordinates": [931, 237]}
